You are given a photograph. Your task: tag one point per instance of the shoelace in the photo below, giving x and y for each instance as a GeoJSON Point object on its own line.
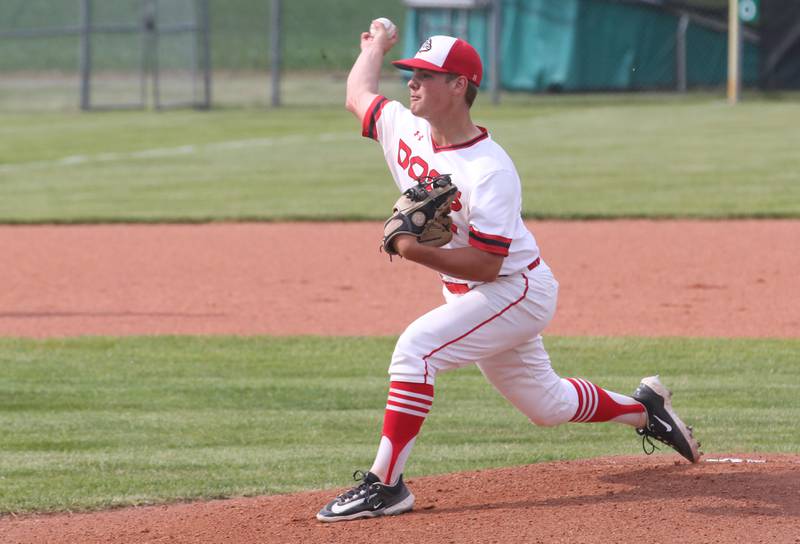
{"type": "Point", "coordinates": [645, 442]}
{"type": "Point", "coordinates": [646, 435]}
{"type": "Point", "coordinates": [361, 489]}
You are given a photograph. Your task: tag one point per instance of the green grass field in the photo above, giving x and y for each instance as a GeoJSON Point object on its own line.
{"type": "Point", "coordinates": [95, 422]}
{"type": "Point", "coordinates": [578, 157]}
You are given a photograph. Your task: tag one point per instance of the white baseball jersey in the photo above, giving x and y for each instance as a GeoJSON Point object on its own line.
{"type": "Point", "coordinates": [487, 209]}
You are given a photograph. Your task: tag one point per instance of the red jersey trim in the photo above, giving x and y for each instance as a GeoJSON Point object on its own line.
{"type": "Point", "coordinates": [482, 136]}
{"type": "Point", "coordinates": [369, 124]}
{"type": "Point", "coordinates": [491, 243]}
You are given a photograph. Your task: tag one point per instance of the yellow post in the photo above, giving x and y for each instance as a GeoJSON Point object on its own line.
{"type": "Point", "coordinates": [733, 51]}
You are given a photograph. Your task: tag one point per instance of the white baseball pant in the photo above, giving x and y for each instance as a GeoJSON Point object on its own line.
{"type": "Point", "coordinates": [497, 326]}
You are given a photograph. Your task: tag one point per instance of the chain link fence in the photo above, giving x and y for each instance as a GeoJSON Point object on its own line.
{"type": "Point", "coordinates": [67, 54]}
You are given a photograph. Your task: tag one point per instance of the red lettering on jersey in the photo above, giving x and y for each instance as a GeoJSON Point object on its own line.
{"type": "Point", "coordinates": [416, 167]}
{"type": "Point", "coordinates": [423, 168]}
{"type": "Point", "coordinates": [403, 155]}
{"type": "Point", "coordinates": [456, 204]}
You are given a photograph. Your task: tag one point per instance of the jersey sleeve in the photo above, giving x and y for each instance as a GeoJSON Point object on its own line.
{"type": "Point", "coordinates": [495, 205]}
{"type": "Point", "coordinates": [379, 120]}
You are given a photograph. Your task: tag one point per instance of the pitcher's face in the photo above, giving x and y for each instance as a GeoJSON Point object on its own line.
{"type": "Point", "coordinates": [430, 93]}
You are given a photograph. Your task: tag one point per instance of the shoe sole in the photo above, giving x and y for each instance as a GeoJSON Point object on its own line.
{"type": "Point", "coordinates": [655, 384]}
{"type": "Point", "coordinates": [400, 508]}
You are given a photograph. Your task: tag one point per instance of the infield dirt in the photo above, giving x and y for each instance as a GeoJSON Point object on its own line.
{"type": "Point", "coordinates": [671, 278]}
{"type": "Point", "coordinates": [641, 278]}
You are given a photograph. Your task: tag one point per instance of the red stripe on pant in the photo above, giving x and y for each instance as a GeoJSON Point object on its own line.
{"type": "Point", "coordinates": [478, 326]}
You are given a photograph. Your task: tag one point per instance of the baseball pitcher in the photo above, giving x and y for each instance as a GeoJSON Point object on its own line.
{"type": "Point", "coordinates": [460, 214]}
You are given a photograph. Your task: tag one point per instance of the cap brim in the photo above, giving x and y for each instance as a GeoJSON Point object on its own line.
{"type": "Point", "coordinates": [414, 64]}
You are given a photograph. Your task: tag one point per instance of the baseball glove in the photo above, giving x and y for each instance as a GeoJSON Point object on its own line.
{"type": "Point", "coordinates": [422, 211]}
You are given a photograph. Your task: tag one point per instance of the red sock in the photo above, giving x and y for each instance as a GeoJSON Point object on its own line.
{"type": "Point", "coordinates": [596, 404]}
{"type": "Point", "coordinates": [406, 408]}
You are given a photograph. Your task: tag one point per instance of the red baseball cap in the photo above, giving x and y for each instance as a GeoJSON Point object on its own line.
{"type": "Point", "coordinates": [446, 54]}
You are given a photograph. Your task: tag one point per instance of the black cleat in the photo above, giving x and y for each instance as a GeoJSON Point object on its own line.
{"type": "Point", "coordinates": [663, 423]}
{"type": "Point", "coordinates": [369, 499]}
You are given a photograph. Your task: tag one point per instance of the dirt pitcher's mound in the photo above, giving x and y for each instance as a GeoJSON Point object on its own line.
{"type": "Point", "coordinates": [726, 498]}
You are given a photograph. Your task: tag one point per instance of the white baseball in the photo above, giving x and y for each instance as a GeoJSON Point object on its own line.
{"type": "Point", "coordinates": [390, 27]}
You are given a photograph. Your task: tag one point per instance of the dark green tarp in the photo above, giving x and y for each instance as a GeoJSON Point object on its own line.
{"type": "Point", "coordinates": [587, 45]}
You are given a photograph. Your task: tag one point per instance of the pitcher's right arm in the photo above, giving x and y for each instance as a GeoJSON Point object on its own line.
{"type": "Point", "coordinates": [362, 82]}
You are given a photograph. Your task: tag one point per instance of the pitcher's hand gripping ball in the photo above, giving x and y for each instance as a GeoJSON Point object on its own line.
{"type": "Point", "coordinates": [422, 211]}
{"type": "Point", "coordinates": [390, 27]}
